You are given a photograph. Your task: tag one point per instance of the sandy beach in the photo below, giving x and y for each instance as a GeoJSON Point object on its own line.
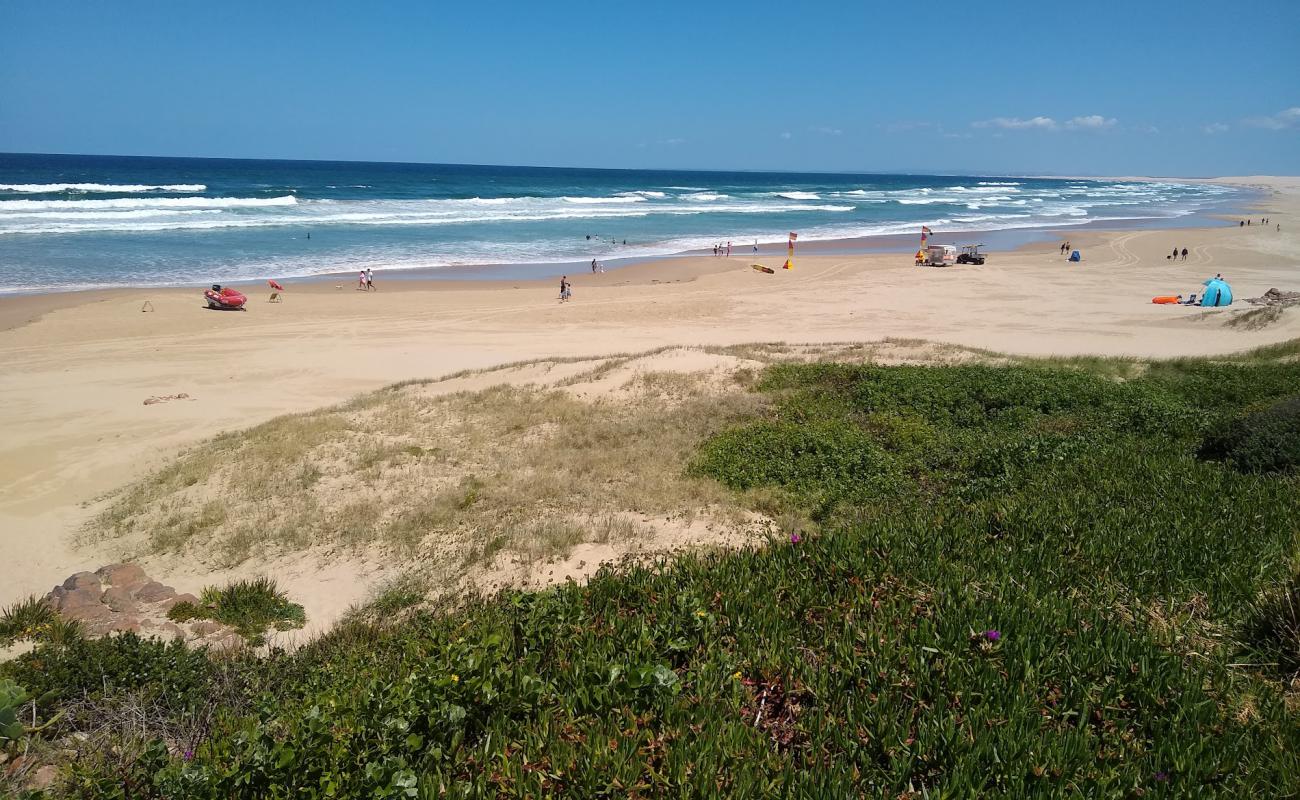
{"type": "Point", "coordinates": [79, 367]}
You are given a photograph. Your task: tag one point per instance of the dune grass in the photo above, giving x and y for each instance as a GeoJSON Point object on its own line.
{"type": "Point", "coordinates": [446, 477]}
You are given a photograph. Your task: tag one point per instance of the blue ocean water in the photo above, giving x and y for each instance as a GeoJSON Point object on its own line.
{"type": "Point", "coordinates": [87, 221]}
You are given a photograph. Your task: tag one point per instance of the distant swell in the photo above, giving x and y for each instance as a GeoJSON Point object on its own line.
{"type": "Point", "coordinates": [116, 188]}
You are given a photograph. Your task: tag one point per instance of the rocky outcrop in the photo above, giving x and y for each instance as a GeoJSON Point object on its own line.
{"type": "Point", "coordinates": [121, 597]}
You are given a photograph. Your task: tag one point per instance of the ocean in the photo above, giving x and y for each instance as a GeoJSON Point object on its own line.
{"type": "Point", "coordinates": [75, 222]}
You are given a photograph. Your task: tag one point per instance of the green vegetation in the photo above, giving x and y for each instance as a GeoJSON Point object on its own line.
{"type": "Point", "coordinates": [1263, 441]}
{"type": "Point", "coordinates": [12, 698]}
{"type": "Point", "coordinates": [1013, 581]}
{"type": "Point", "coordinates": [249, 606]}
{"type": "Point", "coordinates": [34, 620]}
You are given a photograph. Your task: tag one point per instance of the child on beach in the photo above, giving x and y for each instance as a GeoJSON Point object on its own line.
{"type": "Point", "coordinates": [565, 291]}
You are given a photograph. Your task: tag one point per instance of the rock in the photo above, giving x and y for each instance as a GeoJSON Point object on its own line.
{"type": "Point", "coordinates": [81, 604]}
{"type": "Point", "coordinates": [171, 629]}
{"type": "Point", "coordinates": [43, 778]}
{"type": "Point", "coordinates": [205, 627]}
{"type": "Point", "coordinates": [231, 641]}
{"type": "Point", "coordinates": [153, 591]}
{"type": "Point", "coordinates": [118, 599]}
{"type": "Point", "coordinates": [83, 580]}
{"type": "Point", "coordinates": [127, 576]}
{"type": "Point", "coordinates": [166, 605]}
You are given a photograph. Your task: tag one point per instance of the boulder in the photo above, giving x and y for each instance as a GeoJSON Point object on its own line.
{"type": "Point", "coordinates": [118, 599]}
{"type": "Point", "coordinates": [153, 591]}
{"type": "Point", "coordinates": [205, 627]}
{"type": "Point", "coordinates": [83, 580]}
{"type": "Point", "coordinates": [79, 603]}
{"type": "Point", "coordinates": [127, 576]}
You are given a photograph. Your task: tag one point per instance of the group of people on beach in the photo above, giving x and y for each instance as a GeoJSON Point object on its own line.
{"type": "Point", "coordinates": [1065, 247]}
{"type": "Point", "coordinates": [366, 280]}
{"type": "Point", "coordinates": [720, 249]}
{"type": "Point", "coordinates": [1175, 254]}
{"type": "Point", "coordinates": [1262, 221]}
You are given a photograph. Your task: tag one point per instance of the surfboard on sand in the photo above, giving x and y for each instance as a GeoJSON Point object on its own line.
{"type": "Point", "coordinates": [762, 268]}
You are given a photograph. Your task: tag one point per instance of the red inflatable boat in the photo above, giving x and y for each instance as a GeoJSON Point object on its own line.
{"type": "Point", "coordinates": [224, 299]}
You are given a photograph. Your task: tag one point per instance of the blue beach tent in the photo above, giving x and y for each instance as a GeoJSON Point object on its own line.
{"type": "Point", "coordinates": [1217, 293]}
{"type": "Point", "coordinates": [1075, 256]}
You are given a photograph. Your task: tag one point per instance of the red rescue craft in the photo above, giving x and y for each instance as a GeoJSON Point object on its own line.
{"type": "Point", "coordinates": [226, 299]}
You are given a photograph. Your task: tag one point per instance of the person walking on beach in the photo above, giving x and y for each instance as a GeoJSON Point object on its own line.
{"type": "Point", "coordinates": [728, 249]}
{"type": "Point", "coordinates": [565, 292]}
{"type": "Point", "coordinates": [1184, 253]}
{"type": "Point", "coordinates": [755, 245]}
{"type": "Point", "coordinates": [361, 281]}
{"type": "Point", "coordinates": [1175, 256]}
{"type": "Point", "coordinates": [593, 266]}
{"type": "Point", "coordinates": [370, 279]}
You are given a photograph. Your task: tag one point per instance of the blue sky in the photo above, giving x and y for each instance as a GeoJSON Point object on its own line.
{"type": "Point", "coordinates": [1165, 87]}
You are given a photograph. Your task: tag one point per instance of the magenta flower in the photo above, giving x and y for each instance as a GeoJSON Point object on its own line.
{"type": "Point", "coordinates": [992, 636]}
{"type": "Point", "coordinates": [794, 538]}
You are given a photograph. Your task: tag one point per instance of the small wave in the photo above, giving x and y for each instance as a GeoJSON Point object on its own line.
{"type": "Point", "coordinates": [999, 183]}
{"type": "Point", "coordinates": [642, 193]}
{"type": "Point", "coordinates": [706, 197]}
{"type": "Point", "coordinates": [120, 188]}
{"type": "Point", "coordinates": [159, 203]}
{"type": "Point", "coordinates": [596, 201]}
{"type": "Point", "coordinates": [798, 195]}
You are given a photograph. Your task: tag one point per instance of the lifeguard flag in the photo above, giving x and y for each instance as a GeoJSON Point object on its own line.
{"type": "Point", "coordinates": [787, 265]}
{"type": "Point", "coordinates": [925, 233]}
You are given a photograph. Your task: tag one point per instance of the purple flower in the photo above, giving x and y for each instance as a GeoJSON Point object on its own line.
{"type": "Point", "coordinates": [189, 755]}
{"type": "Point", "coordinates": [992, 636]}
{"type": "Point", "coordinates": [795, 538]}
{"type": "Point", "coordinates": [1162, 776]}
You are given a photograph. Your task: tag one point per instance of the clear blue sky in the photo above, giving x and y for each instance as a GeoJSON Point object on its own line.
{"type": "Point", "coordinates": [1173, 87]}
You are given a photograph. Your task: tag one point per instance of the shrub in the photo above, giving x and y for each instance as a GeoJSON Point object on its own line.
{"type": "Point", "coordinates": [12, 698]}
{"type": "Point", "coordinates": [250, 607]}
{"type": "Point", "coordinates": [26, 619]}
{"type": "Point", "coordinates": [1274, 627]}
{"type": "Point", "coordinates": [1263, 441]}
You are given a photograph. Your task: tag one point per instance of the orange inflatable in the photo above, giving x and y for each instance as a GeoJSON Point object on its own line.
{"type": "Point", "coordinates": [1169, 299]}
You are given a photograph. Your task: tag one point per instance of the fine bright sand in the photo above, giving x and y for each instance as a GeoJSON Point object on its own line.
{"type": "Point", "coordinates": [78, 368]}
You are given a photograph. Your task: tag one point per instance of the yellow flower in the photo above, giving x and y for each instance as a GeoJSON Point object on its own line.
{"type": "Point", "coordinates": [736, 675]}
{"type": "Point", "coordinates": [455, 679]}
{"type": "Point", "coordinates": [699, 613]}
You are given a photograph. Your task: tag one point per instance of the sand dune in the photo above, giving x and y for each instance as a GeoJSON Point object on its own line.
{"type": "Point", "coordinates": [76, 377]}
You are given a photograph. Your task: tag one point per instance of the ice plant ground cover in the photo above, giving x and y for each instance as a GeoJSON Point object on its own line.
{"type": "Point", "coordinates": [1027, 580]}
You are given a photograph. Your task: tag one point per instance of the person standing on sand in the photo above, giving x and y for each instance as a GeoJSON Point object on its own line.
{"type": "Point", "coordinates": [1175, 256]}
{"type": "Point", "coordinates": [1184, 253]}
{"type": "Point", "coordinates": [755, 245]}
{"type": "Point", "coordinates": [728, 249]}
{"type": "Point", "coordinates": [564, 288]}
{"type": "Point", "coordinates": [370, 279]}
{"type": "Point", "coordinates": [593, 266]}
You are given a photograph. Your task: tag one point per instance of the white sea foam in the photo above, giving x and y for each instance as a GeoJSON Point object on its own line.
{"type": "Point", "coordinates": [140, 202]}
{"type": "Point", "coordinates": [642, 193]}
{"type": "Point", "coordinates": [798, 195]}
{"type": "Point", "coordinates": [121, 188]}
{"type": "Point", "coordinates": [706, 197]}
{"type": "Point", "coordinates": [598, 201]}
{"type": "Point", "coordinates": [1000, 183]}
